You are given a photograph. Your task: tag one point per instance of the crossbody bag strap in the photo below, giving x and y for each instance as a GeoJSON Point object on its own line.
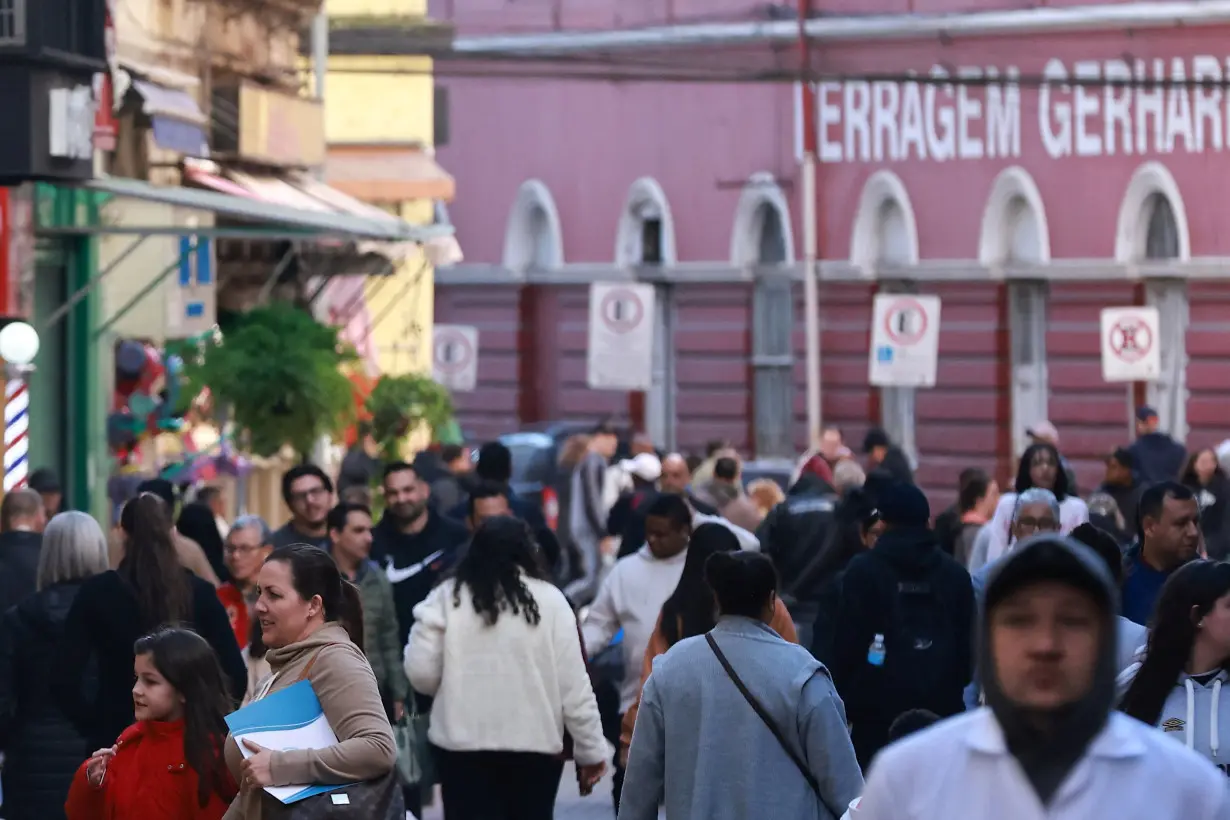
{"type": "Point", "coordinates": [768, 721]}
{"type": "Point", "coordinates": [307, 670]}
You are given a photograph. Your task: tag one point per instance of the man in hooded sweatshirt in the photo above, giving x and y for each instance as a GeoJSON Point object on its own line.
{"type": "Point", "coordinates": [906, 615]}
{"type": "Point", "coordinates": [1046, 746]}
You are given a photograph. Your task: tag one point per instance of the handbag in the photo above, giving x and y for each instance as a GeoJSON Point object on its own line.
{"type": "Point", "coordinates": [379, 799]}
{"type": "Point", "coordinates": [415, 762]}
{"type": "Point", "coordinates": [768, 721]}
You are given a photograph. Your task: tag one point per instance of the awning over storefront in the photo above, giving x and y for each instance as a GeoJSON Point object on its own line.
{"type": "Point", "coordinates": [298, 214]}
{"type": "Point", "coordinates": [175, 118]}
{"type": "Point", "coordinates": [383, 173]}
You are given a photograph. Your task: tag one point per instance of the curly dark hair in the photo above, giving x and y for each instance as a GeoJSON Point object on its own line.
{"type": "Point", "coordinates": [502, 554]}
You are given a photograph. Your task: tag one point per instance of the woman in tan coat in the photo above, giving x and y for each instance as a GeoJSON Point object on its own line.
{"type": "Point", "coordinates": [691, 611]}
{"type": "Point", "coordinates": [307, 614]}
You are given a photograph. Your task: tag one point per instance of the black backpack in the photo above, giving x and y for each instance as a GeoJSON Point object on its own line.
{"type": "Point", "coordinates": [919, 640]}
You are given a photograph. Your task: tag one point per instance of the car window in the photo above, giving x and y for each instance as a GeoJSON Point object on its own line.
{"type": "Point", "coordinates": [532, 456]}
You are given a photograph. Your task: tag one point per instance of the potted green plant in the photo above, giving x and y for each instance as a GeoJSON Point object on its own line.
{"type": "Point", "coordinates": [398, 405]}
{"type": "Point", "coordinates": [278, 371]}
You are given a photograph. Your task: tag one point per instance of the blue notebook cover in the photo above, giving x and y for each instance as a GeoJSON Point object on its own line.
{"type": "Point", "coordinates": [286, 720]}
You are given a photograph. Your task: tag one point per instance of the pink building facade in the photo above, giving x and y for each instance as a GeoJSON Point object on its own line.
{"type": "Point", "coordinates": [1075, 162]}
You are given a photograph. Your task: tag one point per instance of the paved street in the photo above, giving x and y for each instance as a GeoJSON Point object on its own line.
{"type": "Point", "coordinates": [570, 805]}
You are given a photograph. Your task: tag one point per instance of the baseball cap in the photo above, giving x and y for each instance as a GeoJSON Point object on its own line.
{"type": "Point", "coordinates": [1145, 412]}
{"type": "Point", "coordinates": [1043, 430]}
{"type": "Point", "coordinates": [645, 466]}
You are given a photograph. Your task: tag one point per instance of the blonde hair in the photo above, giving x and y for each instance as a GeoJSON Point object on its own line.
{"type": "Point", "coordinates": [765, 494]}
{"type": "Point", "coordinates": [74, 548]}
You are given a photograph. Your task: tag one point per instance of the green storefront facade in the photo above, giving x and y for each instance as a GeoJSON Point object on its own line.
{"type": "Point", "coordinates": [68, 401]}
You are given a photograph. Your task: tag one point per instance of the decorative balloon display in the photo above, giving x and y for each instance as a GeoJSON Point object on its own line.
{"type": "Point", "coordinates": [147, 390]}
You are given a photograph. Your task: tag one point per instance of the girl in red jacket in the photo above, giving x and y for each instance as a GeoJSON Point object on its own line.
{"type": "Point", "coordinates": [168, 765]}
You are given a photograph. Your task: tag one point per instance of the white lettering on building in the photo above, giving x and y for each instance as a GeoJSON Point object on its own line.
{"type": "Point", "coordinates": [1087, 108]}
{"type": "Point", "coordinates": [70, 131]}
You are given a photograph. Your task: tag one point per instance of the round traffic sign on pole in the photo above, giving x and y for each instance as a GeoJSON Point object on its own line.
{"type": "Point", "coordinates": [906, 322]}
{"type": "Point", "coordinates": [622, 311]}
{"type": "Point", "coordinates": [1131, 338]}
{"type": "Point", "coordinates": [453, 352]}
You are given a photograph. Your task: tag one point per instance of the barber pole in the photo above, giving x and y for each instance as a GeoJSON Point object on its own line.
{"type": "Point", "coordinates": [16, 428]}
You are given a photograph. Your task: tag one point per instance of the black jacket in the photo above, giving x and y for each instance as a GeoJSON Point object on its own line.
{"type": "Point", "coordinates": [1157, 457]}
{"type": "Point", "coordinates": [792, 534]}
{"type": "Point", "coordinates": [897, 464]}
{"type": "Point", "coordinates": [42, 749]}
{"type": "Point", "coordinates": [19, 552]}
{"type": "Point", "coordinates": [402, 556]}
{"type": "Point", "coordinates": [103, 624]}
{"type": "Point", "coordinates": [868, 593]}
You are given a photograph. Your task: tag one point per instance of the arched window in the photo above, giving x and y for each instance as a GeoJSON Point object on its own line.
{"type": "Point", "coordinates": [885, 236]}
{"type": "Point", "coordinates": [646, 231]}
{"type": "Point", "coordinates": [762, 238]}
{"type": "Point", "coordinates": [533, 240]}
{"type": "Point", "coordinates": [885, 232]}
{"type": "Point", "coordinates": [1162, 233]}
{"type": "Point", "coordinates": [1015, 233]}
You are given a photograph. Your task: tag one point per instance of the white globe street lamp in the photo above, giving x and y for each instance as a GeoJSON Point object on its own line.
{"type": "Point", "coordinates": [18, 343]}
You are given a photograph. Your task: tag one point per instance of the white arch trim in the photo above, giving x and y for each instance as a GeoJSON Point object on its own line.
{"type": "Point", "coordinates": [761, 190]}
{"type": "Point", "coordinates": [1133, 227]}
{"type": "Point", "coordinates": [882, 187]}
{"type": "Point", "coordinates": [520, 243]}
{"type": "Point", "coordinates": [996, 239]}
{"type": "Point", "coordinates": [645, 198]}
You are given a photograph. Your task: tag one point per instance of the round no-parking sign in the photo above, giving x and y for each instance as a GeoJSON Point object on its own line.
{"type": "Point", "coordinates": [1131, 338]}
{"type": "Point", "coordinates": [1130, 344]}
{"type": "Point", "coordinates": [906, 321]}
{"type": "Point", "coordinates": [455, 356]}
{"type": "Point", "coordinates": [622, 310]}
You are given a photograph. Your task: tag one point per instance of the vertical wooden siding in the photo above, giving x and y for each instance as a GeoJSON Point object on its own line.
{"type": "Point", "coordinates": [845, 335]}
{"type": "Point", "coordinates": [1208, 368]}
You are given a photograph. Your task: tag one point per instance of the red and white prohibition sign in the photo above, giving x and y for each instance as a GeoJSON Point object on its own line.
{"type": "Point", "coordinates": [906, 322]}
{"type": "Point", "coordinates": [1130, 338]}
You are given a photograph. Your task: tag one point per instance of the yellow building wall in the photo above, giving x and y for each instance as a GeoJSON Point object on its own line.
{"type": "Point", "coordinates": [390, 102]}
{"type": "Point", "coordinates": [377, 8]}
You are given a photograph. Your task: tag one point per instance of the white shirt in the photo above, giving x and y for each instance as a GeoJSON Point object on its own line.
{"type": "Point", "coordinates": [960, 769]}
{"type": "Point", "coordinates": [511, 687]}
{"type": "Point", "coordinates": [1072, 513]}
{"type": "Point", "coordinates": [631, 598]}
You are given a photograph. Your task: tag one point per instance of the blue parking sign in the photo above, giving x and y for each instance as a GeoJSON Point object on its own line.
{"type": "Point", "coordinates": [884, 354]}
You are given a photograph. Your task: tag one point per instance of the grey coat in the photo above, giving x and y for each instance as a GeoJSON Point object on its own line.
{"type": "Point", "coordinates": [724, 763]}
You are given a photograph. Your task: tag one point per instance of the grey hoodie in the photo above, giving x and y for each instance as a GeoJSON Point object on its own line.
{"type": "Point", "coordinates": [1048, 755]}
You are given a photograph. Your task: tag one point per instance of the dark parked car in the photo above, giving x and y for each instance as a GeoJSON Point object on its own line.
{"type": "Point", "coordinates": [535, 461]}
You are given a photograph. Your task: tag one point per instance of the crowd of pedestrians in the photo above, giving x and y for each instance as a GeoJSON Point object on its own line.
{"type": "Point", "coordinates": [832, 648]}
